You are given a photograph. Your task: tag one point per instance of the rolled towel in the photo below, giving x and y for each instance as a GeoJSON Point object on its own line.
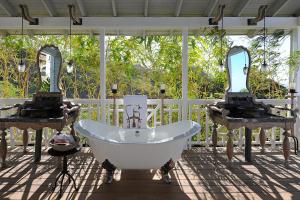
{"type": "Point", "coordinates": [63, 138]}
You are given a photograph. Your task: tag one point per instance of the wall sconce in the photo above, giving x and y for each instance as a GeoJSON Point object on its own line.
{"type": "Point", "coordinates": [264, 64]}
{"type": "Point", "coordinates": [245, 70]}
{"type": "Point", "coordinates": [76, 21]}
{"type": "Point", "coordinates": [32, 21]}
{"type": "Point", "coordinates": [21, 65]}
{"type": "Point", "coordinates": [70, 66]}
{"type": "Point", "coordinates": [221, 64]}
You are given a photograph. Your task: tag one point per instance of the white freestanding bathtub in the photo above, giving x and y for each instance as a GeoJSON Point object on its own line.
{"type": "Point", "coordinates": [137, 148]}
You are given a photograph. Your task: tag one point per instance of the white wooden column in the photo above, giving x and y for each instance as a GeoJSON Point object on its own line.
{"type": "Point", "coordinates": [295, 46]}
{"type": "Point", "coordinates": [184, 78]}
{"type": "Point", "coordinates": [102, 74]}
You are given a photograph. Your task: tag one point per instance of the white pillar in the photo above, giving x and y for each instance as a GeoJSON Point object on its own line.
{"type": "Point", "coordinates": [184, 78]}
{"type": "Point", "coordinates": [102, 73]}
{"type": "Point", "coordinates": [295, 46]}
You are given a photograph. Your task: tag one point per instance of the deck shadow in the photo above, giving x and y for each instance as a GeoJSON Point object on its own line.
{"type": "Point", "coordinates": [139, 184]}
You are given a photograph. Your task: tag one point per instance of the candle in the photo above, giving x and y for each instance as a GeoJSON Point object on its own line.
{"type": "Point", "coordinates": [292, 87]}
{"type": "Point", "coordinates": [162, 88]}
{"type": "Point", "coordinates": [114, 88]}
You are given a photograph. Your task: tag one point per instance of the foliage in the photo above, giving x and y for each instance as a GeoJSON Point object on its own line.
{"type": "Point", "coordinates": [138, 65]}
{"type": "Point", "coordinates": [267, 84]}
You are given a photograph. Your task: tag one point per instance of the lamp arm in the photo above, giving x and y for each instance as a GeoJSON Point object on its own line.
{"type": "Point", "coordinates": [76, 20]}
{"type": "Point", "coordinates": [26, 16]}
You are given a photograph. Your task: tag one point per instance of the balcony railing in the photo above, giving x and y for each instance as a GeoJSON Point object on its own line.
{"type": "Point", "coordinates": [103, 110]}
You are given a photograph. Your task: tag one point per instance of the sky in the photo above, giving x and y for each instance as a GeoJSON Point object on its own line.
{"type": "Point", "coordinates": [284, 49]}
{"type": "Point", "coordinates": [237, 63]}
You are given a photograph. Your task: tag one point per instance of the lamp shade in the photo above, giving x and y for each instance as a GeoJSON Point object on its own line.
{"type": "Point", "coordinates": [221, 67]}
{"type": "Point", "coordinates": [264, 66]}
{"type": "Point", "coordinates": [21, 66]}
{"type": "Point", "coordinates": [245, 70]}
{"type": "Point", "coordinates": [70, 66]}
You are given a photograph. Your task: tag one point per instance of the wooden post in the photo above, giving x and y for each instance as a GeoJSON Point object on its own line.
{"type": "Point", "coordinates": [229, 146]}
{"type": "Point", "coordinates": [262, 139]}
{"type": "Point", "coordinates": [25, 140]}
{"type": "Point", "coordinates": [286, 147]}
{"type": "Point", "coordinates": [215, 137]}
{"type": "Point", "coordinates": [3, 149]}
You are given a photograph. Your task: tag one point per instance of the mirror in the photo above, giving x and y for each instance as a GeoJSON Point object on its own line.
{"type": "Point", "coordinates": [238, 69]}
{"type": "Point", "coordinates": [49, 63]}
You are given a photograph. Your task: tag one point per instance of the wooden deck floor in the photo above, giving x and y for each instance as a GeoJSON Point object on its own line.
{"type": "Point", "coordinates": [199, 175]}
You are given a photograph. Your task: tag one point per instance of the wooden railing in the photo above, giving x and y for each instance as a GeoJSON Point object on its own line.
{"type": "Point", "coordinates": [95, 109]}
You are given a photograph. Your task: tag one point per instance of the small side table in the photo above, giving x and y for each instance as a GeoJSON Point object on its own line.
{"type": "Point", "coordinates": [64, 171]}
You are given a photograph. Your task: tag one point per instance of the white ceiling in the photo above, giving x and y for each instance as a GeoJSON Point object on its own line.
{"type": "Point", "coordinates": [154, 8]}
{"type": "Point", "coordinates": [145, 8]}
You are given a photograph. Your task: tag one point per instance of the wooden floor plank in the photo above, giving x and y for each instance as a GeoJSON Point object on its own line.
{"type": "Point", "coordinates": [200, 174]}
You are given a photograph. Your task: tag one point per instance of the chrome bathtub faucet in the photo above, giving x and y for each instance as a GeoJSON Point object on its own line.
{"type": "Point", "coordinates": [135, 118]}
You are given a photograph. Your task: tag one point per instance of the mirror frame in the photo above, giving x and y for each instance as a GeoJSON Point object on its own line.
{"type": "Point", "coordinates": [228, 73]}
{"type": "Point", "coordinates": [39, 85]}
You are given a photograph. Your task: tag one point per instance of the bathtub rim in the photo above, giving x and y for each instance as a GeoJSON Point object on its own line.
{"type": "Point", "coordinates": [194, 130]}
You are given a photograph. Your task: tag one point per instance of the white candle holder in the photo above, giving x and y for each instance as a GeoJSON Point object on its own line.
{"type": "Point", "coordinates": [114, 88]}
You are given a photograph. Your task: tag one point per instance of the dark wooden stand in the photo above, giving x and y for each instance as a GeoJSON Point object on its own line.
{"type": "Point", "coordinates": [36, 124]}
{"type": "Point", "coordinates": [221, 113]}
{"type": "Point", "coordinates": [47, 109]}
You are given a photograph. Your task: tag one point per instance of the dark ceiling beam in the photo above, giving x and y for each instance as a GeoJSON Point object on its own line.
{"type": "Point", "coordinates": [211, 7]}
{"type": "Point", "coordinates": [82, 8]}
{"type": "Point", "coordinates": [114, 8]}
{"type": "Point", "coordinates": [8, 8]}
{"type": "Point", "coordinates": [146, 8]}
{"type": "Point", "coordinates": [220, 14]}
{"type": "Point", "coordinates": [240, 7]}
{"type": "Point", "coordinates": [297, 13]}
{"type": "Point", "coordinates": [49, 7]}
{"type": "Point", "coordinates": [275, 8]}
{"type": "Point", "coordinates": [178, 8]}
